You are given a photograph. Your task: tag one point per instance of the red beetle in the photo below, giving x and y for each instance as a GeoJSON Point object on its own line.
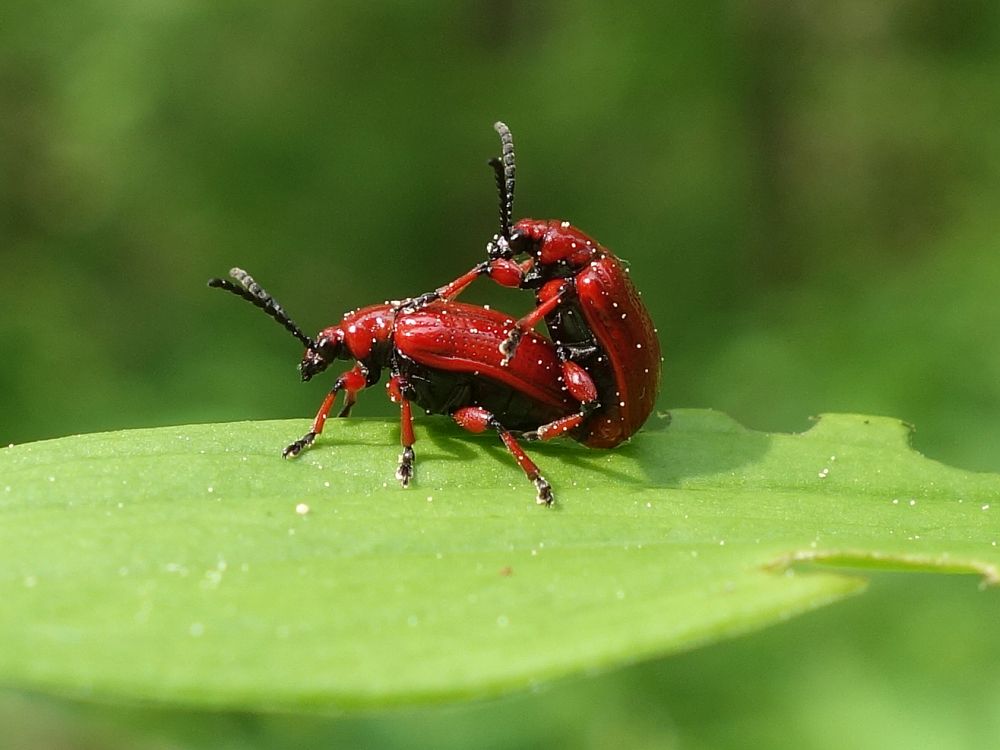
{"type": "Point", "coordinates": [590, 306]}
{"type": "Point", "coordinates": [444, 357]}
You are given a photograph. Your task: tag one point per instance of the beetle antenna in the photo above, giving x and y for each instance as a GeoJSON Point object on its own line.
{"type": "Point", "coordinates": [256, 295]}
{"type": "Point", "coordinates": [503, 168]}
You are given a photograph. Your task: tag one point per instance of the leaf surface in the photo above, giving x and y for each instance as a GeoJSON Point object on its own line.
{"type": "Point", "coordinates": [191, 565]}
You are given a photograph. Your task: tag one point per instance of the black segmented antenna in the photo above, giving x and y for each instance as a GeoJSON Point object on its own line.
{"type": "Point", "coordinates": [256, 295]}
{"type": "Point", "coordinates": [503, 168]}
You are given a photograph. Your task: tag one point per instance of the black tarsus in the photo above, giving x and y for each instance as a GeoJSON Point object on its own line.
{"type": "Point", "coordinates": [256, 295]}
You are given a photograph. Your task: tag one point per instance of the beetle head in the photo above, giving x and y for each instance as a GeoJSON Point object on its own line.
{"type": "Point", "coordinates": [499, 248]}
{"type": "Point", "coordinates": [322, 352]}
{"type": "Point", "coordinates": [514, 244]}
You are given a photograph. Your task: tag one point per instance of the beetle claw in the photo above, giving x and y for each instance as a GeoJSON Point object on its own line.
{"type": "Point", "coordinates": [404, 473]}
{"type": "Point", "coordinates": [544, 496]}
{"type": "Point", "coordinates": [299, 445]}
{"type": "Point", "coordinates": [508, 346]}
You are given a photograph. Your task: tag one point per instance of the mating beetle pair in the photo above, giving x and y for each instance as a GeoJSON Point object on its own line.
{"type": "Point", "coordinates": [596, 380]}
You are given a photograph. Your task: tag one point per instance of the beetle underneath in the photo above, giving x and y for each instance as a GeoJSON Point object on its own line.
{"type": "Point", "coordinates": [444, 357]}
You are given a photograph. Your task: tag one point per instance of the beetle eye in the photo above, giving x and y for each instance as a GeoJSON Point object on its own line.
{"type": "Point", "coordinates": [328, 351]}
{"type": "Point", "coordinates": [519, 244]}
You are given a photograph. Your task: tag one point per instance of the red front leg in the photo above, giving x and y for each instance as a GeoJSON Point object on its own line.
{"type": "Point", "coordinates": [504, 272]}
{"type": "Point", "coordinates": [550, 296]}
{"type": "Point", "coordinates": [351, 382]}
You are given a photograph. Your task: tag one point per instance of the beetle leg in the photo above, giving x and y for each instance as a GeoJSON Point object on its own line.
{"type": "Point", "coordinates": [477, 419]}
{"type": "Point", "coordinates": [404, 472]}
{"type": "Point", "coordinates": [504, 272]}
{"type": "Point", "coordinates": [351, 382]}
{"type": "Point", "coordinates": [350, 398]}
{"type": "Point", "coordinates": [529, 321]}
{"type": "Point", "coordinates": [577, 352]}
{"type": "Point", "coordinates": [456, 287]}
{"type": "Point", "coordinates": [581, 387]}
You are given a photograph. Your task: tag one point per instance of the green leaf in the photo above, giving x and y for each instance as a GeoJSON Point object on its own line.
{"type": "Point", "coordinates": [192, 565]}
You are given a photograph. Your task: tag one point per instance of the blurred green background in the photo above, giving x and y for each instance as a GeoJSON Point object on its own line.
{"type": "Point", "coordinates": [807, 193]}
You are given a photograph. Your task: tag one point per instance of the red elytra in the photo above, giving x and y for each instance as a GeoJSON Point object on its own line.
{"type": "Point", "coordinates": [446, 358]}
{"type": "Point", "coordinates": [592, 310]}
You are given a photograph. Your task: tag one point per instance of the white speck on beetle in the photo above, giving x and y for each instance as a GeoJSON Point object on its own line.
{"type": "Point", "coordinates": [211, 489]}
{"type": "Point", "coordinates": [824, 473]}
{"type": "Point", "coordinates": [912, 503]}
{"type": "Point", "coordinates": [302, 508]}
{"type": "Point", "coordinates": [985, 507]}
{"type": "Point", "coordinates": [430, 498]}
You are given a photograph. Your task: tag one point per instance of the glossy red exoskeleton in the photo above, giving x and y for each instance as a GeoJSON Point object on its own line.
{"type": "Point", "coordinates": [591, 308]}
{"type": "Point", "coordinates": [446, 358]}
